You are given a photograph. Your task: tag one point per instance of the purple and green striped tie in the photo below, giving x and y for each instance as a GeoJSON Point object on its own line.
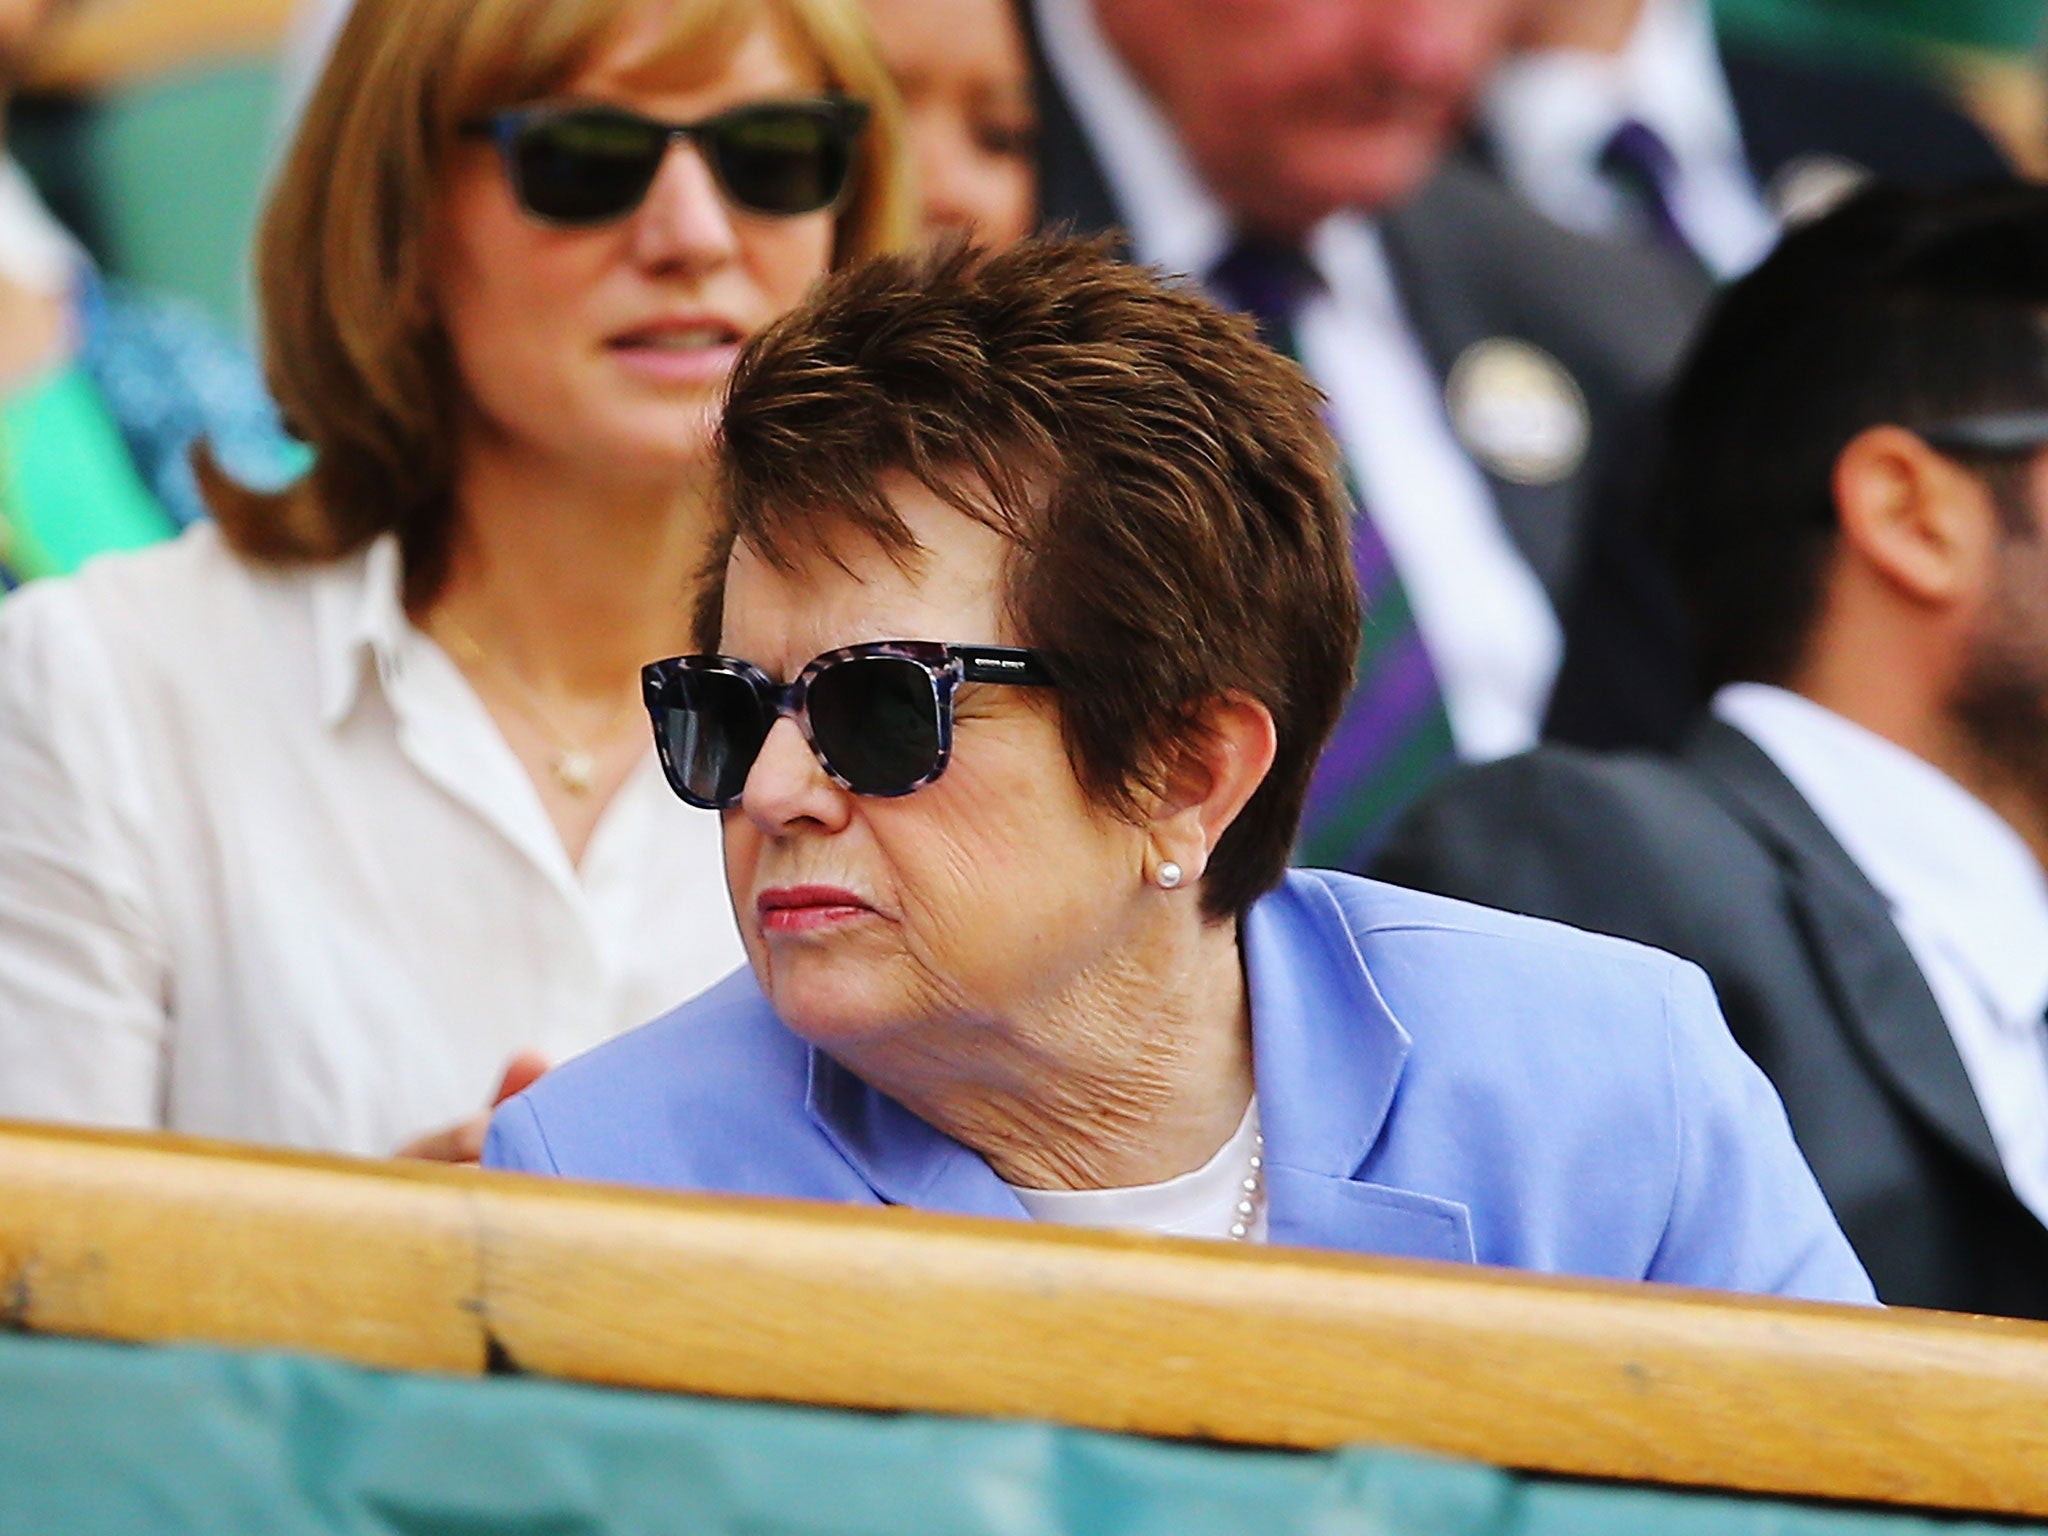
{"type": "Point", "coordinates": [1393, 738]}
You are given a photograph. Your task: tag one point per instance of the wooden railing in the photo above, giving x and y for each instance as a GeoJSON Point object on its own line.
{"type": "Point", "coordinates": [442, 1269]}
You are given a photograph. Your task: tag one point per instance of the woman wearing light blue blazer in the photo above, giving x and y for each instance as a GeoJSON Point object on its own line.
{"type": "Point", "coordinates": [1036, 609]}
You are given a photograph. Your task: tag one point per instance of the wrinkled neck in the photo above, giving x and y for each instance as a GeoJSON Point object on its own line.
{"type": "Point", "coordinates": [1137, 1074]}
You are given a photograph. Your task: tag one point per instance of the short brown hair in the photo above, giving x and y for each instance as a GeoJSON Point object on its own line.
{"type": "Point", "coordinates": [356, 359]}
{"type": "Point", "coordinates": [1178, 528]}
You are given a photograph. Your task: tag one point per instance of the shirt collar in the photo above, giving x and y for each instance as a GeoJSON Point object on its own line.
{"type": "Point", "coordinates": [1676, 83]}
{"type": "Point", "coordinates": [1943, 859]}
{"type": "Point", "coordinates": [1551, 111]}
{"type": "Point", "coordinates": [36, 252]}
{"type": "Point", "coordinates": [1349, 254]}
{"type": "Point", "coordinates": [359, 624]}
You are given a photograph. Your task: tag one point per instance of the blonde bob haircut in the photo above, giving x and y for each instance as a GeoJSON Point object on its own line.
{"type": "Point", "coordinates": [355, 355]}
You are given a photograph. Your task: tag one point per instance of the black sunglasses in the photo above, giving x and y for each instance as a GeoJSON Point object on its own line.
{"type": "Point", "coordinates": [583, 164]}
{"type": "Point", "coordinates": [1996, 432]}
{"type": "Point", "coordinates": [878, 716]}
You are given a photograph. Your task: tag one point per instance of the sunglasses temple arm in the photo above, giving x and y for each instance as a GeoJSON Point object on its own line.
{"type": "Point", "coordinates": [1001, 664]}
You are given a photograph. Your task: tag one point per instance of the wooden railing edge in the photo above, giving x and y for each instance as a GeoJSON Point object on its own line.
{"type": "Point", "coordinates": [423, 1268]}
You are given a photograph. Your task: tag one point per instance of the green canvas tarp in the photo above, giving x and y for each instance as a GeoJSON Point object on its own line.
{"type": "Point", "coordinates": [102, 1438]}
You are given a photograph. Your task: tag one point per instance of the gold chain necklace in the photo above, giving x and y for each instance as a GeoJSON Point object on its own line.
{"type": "Point", "coordinates": [574, 764]}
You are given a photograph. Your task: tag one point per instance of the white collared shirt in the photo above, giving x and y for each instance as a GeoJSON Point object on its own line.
{"type": "Point", "coordinates": [268, 870]}
{"type": "Point", "coordinates": [1484, 616]}
{"type": "Point", "coordinates": [1549, 114]}
{"type": "Point", "coordinates": [1967, 894]}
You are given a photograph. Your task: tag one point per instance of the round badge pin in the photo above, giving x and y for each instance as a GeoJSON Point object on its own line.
{"type": "Point", "coordinates": [1518, 411]}
{"type": "Point", "coordinates": [1807, 186]}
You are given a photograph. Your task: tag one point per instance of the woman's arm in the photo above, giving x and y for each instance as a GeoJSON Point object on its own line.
{"type": "Point", "coordinates": [84, 967]}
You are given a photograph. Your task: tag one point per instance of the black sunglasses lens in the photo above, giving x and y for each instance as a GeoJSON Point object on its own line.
{"type": "Point", "coordinates": [586, 167]}
{"type": "Point", "coordinates": [781, 160]}
{"type": "Point", "coordinates": [711, 736]}
{"type": "Point", "coordinates": [875, 719]}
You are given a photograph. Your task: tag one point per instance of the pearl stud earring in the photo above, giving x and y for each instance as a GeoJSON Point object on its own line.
{"type": "Point", "coordinates": [1169, 875]}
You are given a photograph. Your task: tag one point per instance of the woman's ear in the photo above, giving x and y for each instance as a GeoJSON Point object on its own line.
{"type": "Point", "coordinates": [1915, 518]}
{"type": "Point", "coordinates": [1216, 770]}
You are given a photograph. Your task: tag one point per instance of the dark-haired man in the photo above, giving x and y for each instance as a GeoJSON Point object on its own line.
{"type": "Point", "coordinates": [1853, 844]}
{"type": "Point", "coordinates": [1487, 370]}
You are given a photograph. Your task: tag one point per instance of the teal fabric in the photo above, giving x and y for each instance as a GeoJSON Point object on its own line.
{"type": "Point", "coordinates": [105, 1438]}
{"type": "Point", "coordinates": [1873, 27]}
{"type": "Point", "coordinates": [177, 165]}
{"type": "Point", "coordinates": [68, 488]}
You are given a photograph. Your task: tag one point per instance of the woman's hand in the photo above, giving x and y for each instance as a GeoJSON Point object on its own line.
{"type": "Point", "coordinates": [464, 1142]}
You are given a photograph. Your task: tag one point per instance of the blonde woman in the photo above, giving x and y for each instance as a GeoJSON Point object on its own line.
{"type": "Point", "coordinates": [321, 819]}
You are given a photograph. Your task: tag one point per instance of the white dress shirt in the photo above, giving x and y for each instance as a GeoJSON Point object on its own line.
{"type": "Point", "coordinates": [1968, 896]}
{"type": "Point", "coordinates": [1548, 115]}
{"type": "Point", "coordinates": [268, 870]}
{"type": "Point", "coordinates": [1483, 615]}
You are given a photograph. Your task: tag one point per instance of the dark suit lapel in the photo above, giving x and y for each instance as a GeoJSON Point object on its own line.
{"type": "Point", "coordinates": [1433, 241]}
{"type": "Point", "coordinates": [1752, 116]}
{"type": "Point", "coordinates": [1428, 248]}
{"type": "Point", "coordinates": [1073, 191]}
{"type": "Point", "coordinates": [1849, 930]}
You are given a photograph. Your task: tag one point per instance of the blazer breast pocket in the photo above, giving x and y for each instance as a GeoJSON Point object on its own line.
{"type": "Point", "coordinates": [1312, 1210]}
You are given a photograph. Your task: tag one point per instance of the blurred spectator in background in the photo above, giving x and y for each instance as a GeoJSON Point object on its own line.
{"type": "Point", "coordinates": [1626, 117]}
{"type": "Point", "coordinates": [965, 80]}
{"type": "Point", "coordinates": [1854, 843]}
{"type": "Point", "coordinates": [322, 818]}
{"type": "Point", "coordinates": [102, 391]}
{"type": "Point", "coordinates": [1487, 370]}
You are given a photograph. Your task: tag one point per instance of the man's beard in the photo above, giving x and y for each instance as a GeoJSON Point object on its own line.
{"type": "Point", "coordinates": [2001, 700]}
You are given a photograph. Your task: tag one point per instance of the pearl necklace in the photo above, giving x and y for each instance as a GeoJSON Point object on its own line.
{"type": "Point", "coordinates": [1252, 1192]}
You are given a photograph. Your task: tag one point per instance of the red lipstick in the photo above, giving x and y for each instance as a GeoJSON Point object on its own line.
{"type": "Point", "coordinates": [791, 909]}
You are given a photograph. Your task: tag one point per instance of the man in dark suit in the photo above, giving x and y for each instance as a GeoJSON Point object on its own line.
{"type": "Point", "coordinates": [1854, 842]}
{"type": "Point", "coordinates": [1489, 373]}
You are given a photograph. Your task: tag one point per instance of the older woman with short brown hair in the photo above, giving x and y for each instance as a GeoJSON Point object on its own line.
{"type": "Point", "coordinates": [322, 820]}
{"type": "Point", "coordinates": [1035, 614]}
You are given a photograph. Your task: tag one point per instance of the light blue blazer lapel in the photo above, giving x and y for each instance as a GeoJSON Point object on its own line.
{"type": "Point", "coordinates": [903, 1159]}
{"type": "Point", "coordinates": [1328, 1056]}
